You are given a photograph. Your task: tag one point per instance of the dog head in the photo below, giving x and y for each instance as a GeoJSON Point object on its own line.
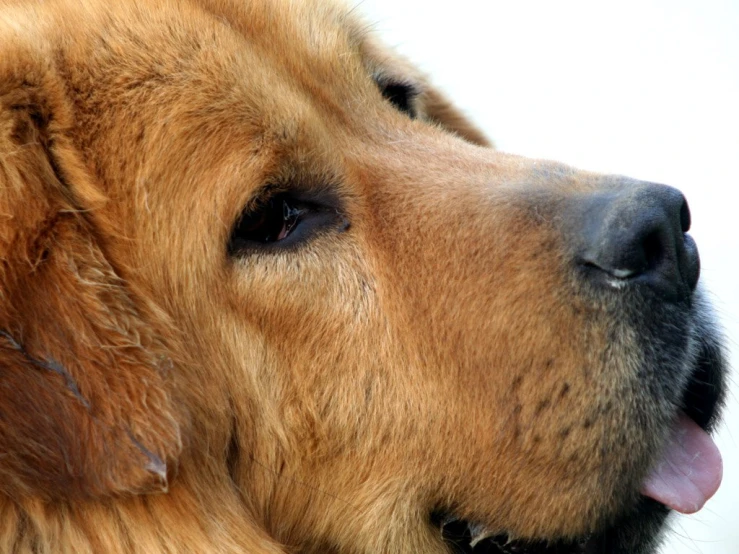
{"type": "Point", "coordinates": [253, 258]}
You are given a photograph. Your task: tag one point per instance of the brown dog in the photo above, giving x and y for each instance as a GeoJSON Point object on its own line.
{"type": "Point", "coordinates": [264, 290]}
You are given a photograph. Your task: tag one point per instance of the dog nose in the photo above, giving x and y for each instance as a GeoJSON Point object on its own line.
{"type": "Point", "coordinates": [636, 234]}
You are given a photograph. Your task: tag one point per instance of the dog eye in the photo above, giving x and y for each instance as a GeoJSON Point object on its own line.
{"type": "Point", "coordinates": [271, 220]}
{"type": "Point", "coordinates": [400, 95]}
{"type": "Point", "coordinates": [280, 220]}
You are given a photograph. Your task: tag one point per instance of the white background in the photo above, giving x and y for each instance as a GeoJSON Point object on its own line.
{"type": "Point", "coordinates": [646, 88]}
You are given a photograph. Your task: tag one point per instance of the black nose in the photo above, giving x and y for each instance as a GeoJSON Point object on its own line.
{"type": "Point", "coordinates": [636, 234]}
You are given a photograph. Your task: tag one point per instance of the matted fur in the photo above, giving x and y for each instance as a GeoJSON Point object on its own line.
{"type": "Point", "coordinates": [159, 395]}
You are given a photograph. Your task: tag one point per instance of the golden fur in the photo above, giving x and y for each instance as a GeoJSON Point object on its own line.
{"type": "Point", "coordinates": [160, 395]}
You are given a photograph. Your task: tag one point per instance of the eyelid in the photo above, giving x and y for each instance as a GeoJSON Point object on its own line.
{"type": "Point", "coordinates": [382, 80]}
{"type": "Point", "coordinates": [262, 196]}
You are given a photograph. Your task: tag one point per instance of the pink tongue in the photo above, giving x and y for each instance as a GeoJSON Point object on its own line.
{"type": "Point", "coordinates": [690, 470]}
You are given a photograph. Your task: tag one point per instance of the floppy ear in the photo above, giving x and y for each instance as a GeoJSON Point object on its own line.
{"type": "Point", "coordinates": [86, 405]}
{"type": "Point", "coordinates": [439, 108]}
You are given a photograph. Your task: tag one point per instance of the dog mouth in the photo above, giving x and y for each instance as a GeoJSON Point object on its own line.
{"type": "Point", "coordinates": [683, 478]}
{"type": "Point", "coordinates": [686, 475]}
{"type": "Point", "coordinates": [464, 537]}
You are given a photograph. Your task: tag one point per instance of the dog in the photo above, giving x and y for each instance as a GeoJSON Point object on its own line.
{"type": "Point", "coordinates": [265, 290]}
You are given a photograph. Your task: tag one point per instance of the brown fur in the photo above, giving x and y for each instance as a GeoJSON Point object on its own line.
{"type": "Point", "coordinates": [160, 396]}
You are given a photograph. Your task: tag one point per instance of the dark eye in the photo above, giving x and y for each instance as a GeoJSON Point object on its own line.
{"type": "Point", "coordinates": [401, 95]}
{"type": "Point", "coordinates": [280, 220]}
{"type": "Point", "coordinates": [270, 221]}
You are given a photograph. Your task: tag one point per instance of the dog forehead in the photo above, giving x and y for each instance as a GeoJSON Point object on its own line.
{"type": "Point", "coordinates": [220, 70]}
{"type": "Point", "coordinates": [262, 66]}
{"type": "Point", "coordinates": [258, 46]}
{"type": "Point", "coordinates": [300, 37]}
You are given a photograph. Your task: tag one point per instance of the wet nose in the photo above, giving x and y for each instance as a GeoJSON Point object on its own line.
{"type": "Point", "coordinates": [636, 234]}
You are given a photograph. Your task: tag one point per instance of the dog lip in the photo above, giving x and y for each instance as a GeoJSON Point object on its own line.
{"type": "Point", "coordinates": [468, 537]}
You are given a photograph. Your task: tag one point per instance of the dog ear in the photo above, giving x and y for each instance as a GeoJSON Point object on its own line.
{"type": "Point", "coordinates": [87, 404]}
{"type": "Point", "coordinates": [439, 108]}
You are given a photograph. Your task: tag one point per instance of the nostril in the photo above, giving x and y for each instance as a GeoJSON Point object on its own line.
{"type": "Point", "coordinates": [685, 216]}
{"type": "Point", "coordinates": [653, 249]}
{"type": "Point", "coordinates": [630, 256]}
